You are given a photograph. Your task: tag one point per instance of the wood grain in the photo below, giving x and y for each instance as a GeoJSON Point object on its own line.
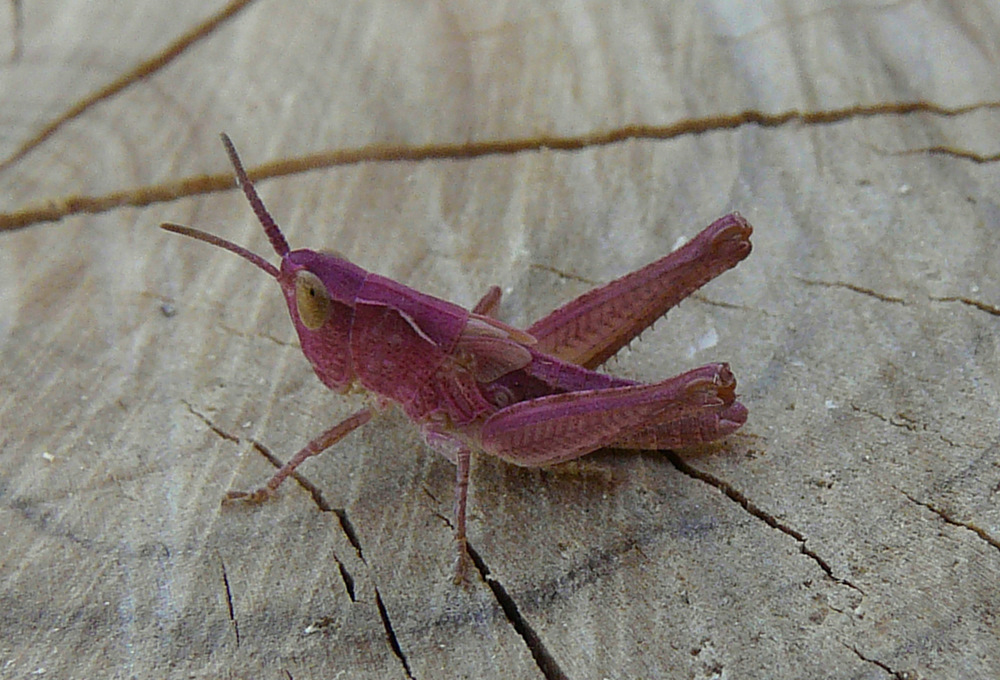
{"type": "Point", "coordinates": [850, 530]}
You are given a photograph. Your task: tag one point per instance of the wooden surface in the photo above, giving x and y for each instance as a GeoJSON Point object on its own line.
{"type": "Point", "coordinates": [850, 530]}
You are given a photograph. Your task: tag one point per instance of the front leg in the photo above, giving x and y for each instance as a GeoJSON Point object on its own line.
{"type": "Point", "coordinates": [313, 448]}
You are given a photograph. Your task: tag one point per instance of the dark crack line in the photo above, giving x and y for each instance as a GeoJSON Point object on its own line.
{"type": "Point", "coordinates": [904, 422]}
{"type": "Point", "coordinates": [142, 71]}
{"type": "Point", "coordinates": [212, 426]}
{"type": "Point", "coordinates": [348, 528]}
{"type": "Point", "coordinates": [724, 305]}
{"type": "Point", "coordinates": [563, 274]}
{"type": "Point", "coordinates": [955, 152]}
{"type": "Point", "coordinates": [760, 514]}
{"type": "Point", "coordinates": [543, 658]}
{"type": "Point", "coordinates": [317, 495]}
{"type": "Point", "coordinates": [54, 209]}
{"type": "Point", "coordinates": [899, 675]}
{"type": "Point", "coordinates": [427, 492]}
{"type": "Point", "coordinates": [390, 634]}
{"type": "Point", "coordinates": [948, 519]}
{"type": "Point", "coordinates": [855, 288]}
{"type": "Point", "coordinates": [318, 499]}
{"type": "Point", "coordinates": [982, 306]}
{"type": "Point", "coordinates": [229, 600]}
{"type": "Point", "coordinates": [347, 578]}
{"type": "Point", "coordinates": [444, 519]}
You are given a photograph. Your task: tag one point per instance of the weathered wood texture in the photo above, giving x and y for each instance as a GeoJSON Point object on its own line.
{"type": "Point", "coordinates": [851, 530]}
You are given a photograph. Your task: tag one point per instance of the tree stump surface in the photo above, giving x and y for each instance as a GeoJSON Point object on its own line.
{"type": "Point", "coordinates": [850, 530]}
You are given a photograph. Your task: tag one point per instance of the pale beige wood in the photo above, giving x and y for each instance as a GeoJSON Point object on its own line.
{"type": "Point", "coordinates": [850, 530]}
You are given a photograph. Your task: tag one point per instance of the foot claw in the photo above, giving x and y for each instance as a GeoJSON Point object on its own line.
{"type": "Point", "coordinates": [462, 567]}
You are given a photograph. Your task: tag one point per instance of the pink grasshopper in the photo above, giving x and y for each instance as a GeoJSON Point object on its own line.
{"type": "Point", "coordinates": [474, 383]}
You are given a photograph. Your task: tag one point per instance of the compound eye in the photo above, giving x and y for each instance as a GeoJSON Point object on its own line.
{"type": "Point", "coordinates": [312, 299]}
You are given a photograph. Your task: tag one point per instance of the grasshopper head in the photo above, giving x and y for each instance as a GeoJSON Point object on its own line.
{"type": "Point", "coordinates": [319, 288]}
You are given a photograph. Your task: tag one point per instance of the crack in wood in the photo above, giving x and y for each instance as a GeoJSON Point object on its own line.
{"type": "Point", "coordinates": [546, 663]}
{"type": "Point", "coordinates": [347, 578]}
{"type": "Point", "coordinates": [982, 306]}
{"type": "Point", "coordinates": [348, 528]}
{"type": "Point", "coordinates": [317, 495]}
{"type": "Point", "coordinates": [390, 634]}
{"type": "Point", "coordinates": [955, 152]}
{"type": "Point", "coordinates": [145, 69]}
{"type": "Point", "coordinates": [318, 499]}
{"type": "Point", "coordinates": [43, 519]}
{"type": "Point", "coordinates": [55, 209]}
{"type": "Point", "coordinates": [563, 274]}
{"type": "Point", "coordinates": [229, 599]}
{"type": "Point", "coordinates": [543, 658]}
{"type": "Point", "coordinates": [898, 675]}
{"type": "Point", "coordinates": [212, 426]}
{"type": "Point", "coordinates": [725, 305]}
{"type": "Point", "coordinates": [732, 493]}
{"type": "Point", "coordinates": [948, 519]}
{"type": "Point", "coordinates": [855, 288]}
{"type": "Point", "coordinates": [904, 422]}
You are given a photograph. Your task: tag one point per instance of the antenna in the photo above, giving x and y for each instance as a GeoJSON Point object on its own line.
{"type": "Point", "coordinates": [274, 234]}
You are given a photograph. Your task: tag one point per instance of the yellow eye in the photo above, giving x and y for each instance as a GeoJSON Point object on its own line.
{"type": "Point", "coordinates": [312, 300]}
